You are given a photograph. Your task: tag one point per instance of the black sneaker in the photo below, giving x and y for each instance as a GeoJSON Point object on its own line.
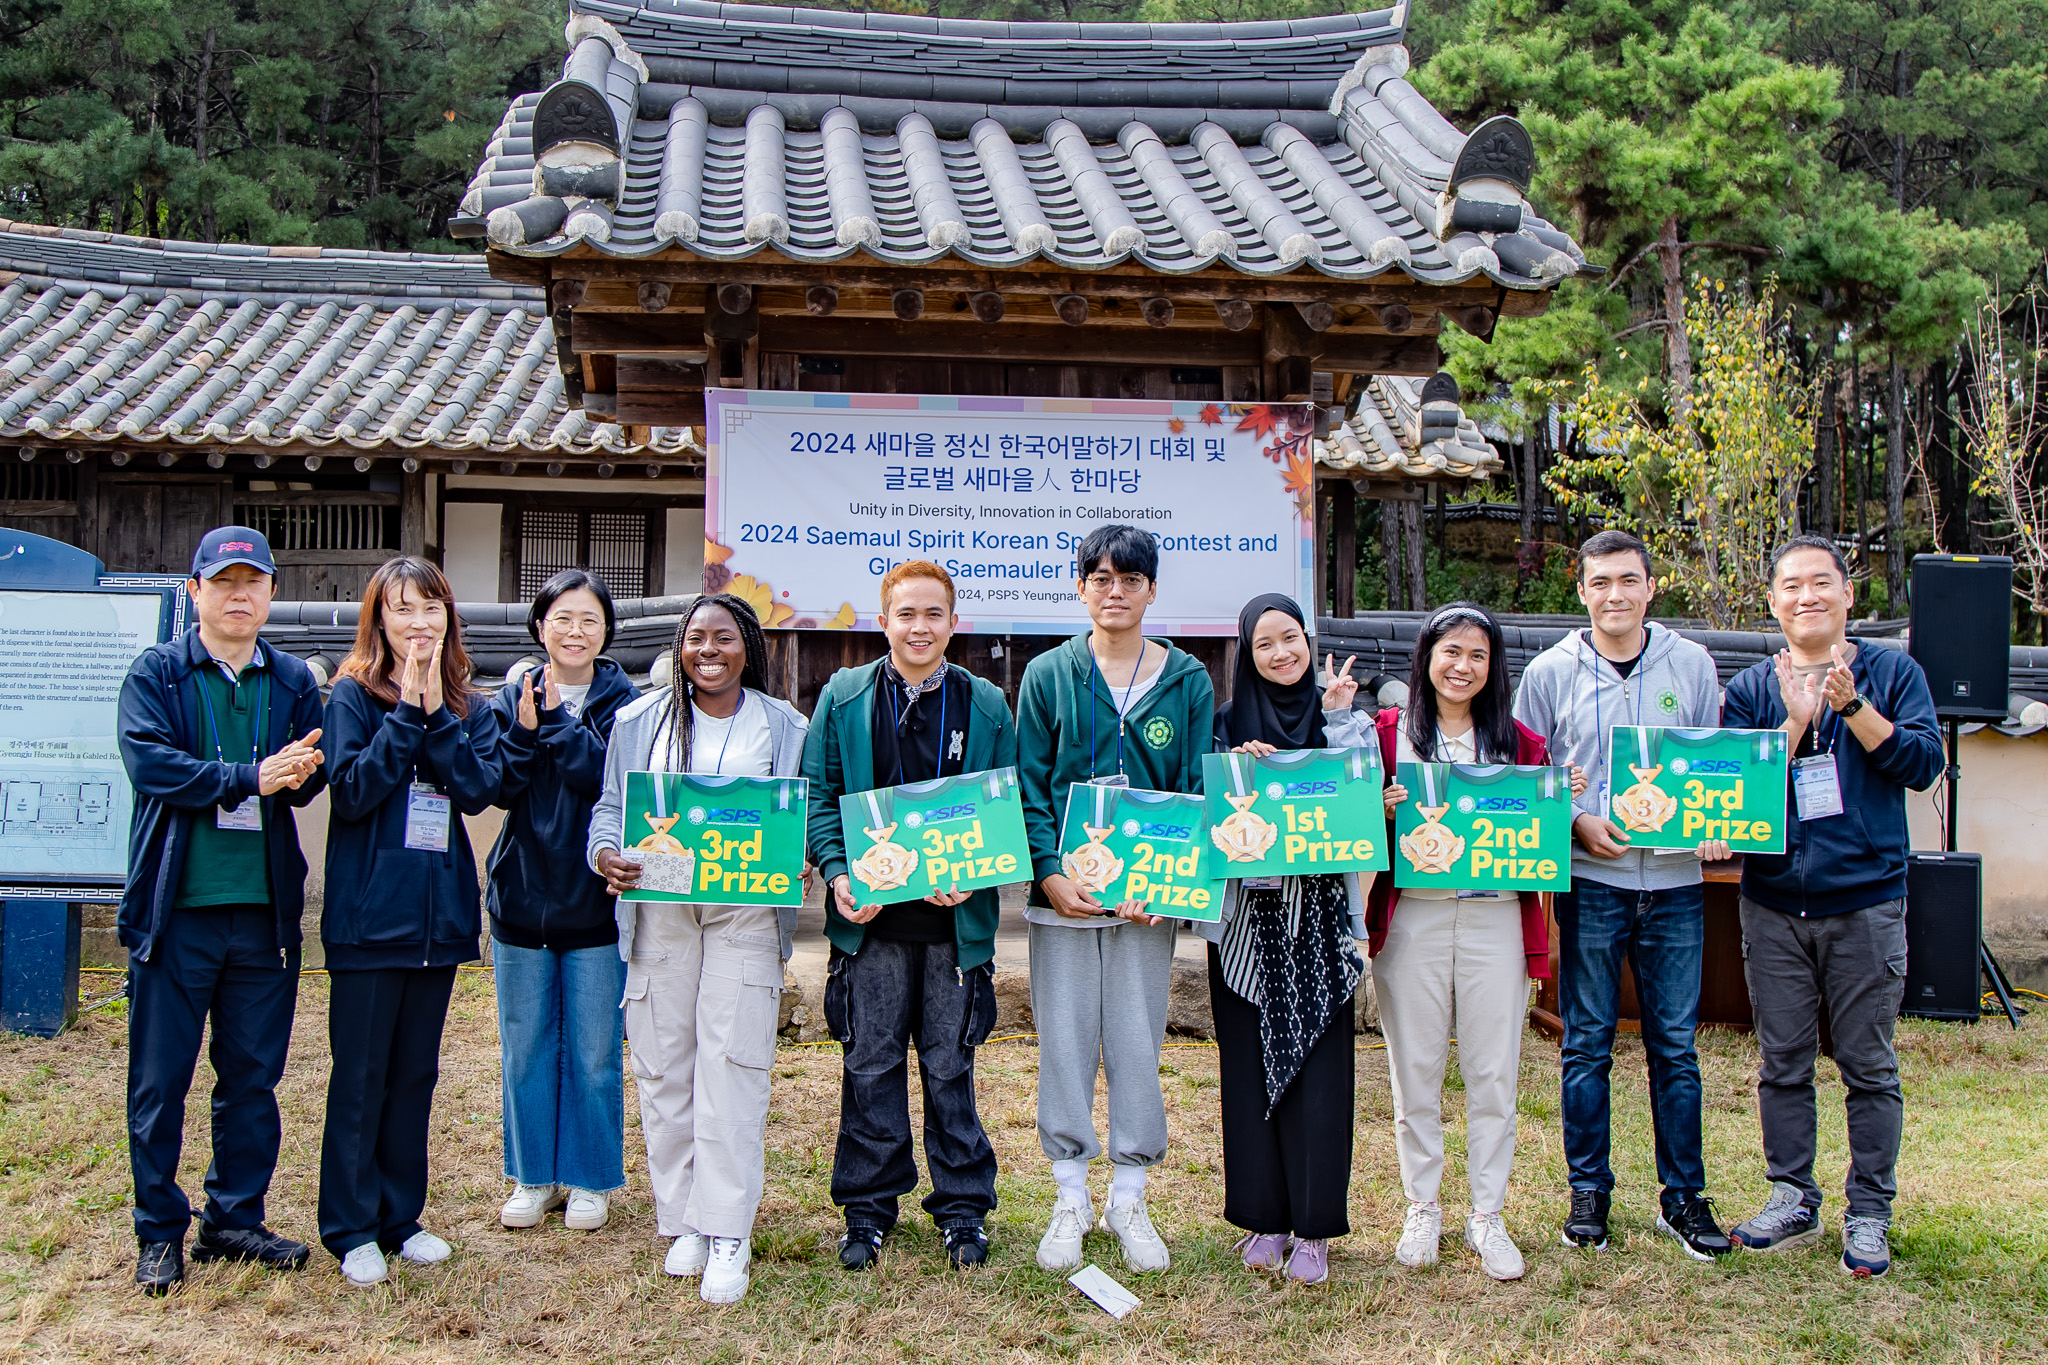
{"type": "Point", "coordinates": [159, 1265]}
{"type": "Point", "coordinates": [860, 1248]}
{"type": "Point", "coordinates": [1586, 1225]}
{"type": "Point", "coordinates": [967, 1245]}
{"type": "Point", "coordinates": [1689, 1219]}
{"type": "Point", "coordinates": [257, 1244]}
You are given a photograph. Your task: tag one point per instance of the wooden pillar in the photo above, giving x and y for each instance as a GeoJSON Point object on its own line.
{"type": "Point", "coordinates": [412, 513]}
{"type": "Point", "coordinates": [1390, 552]}
{"type": "Point", "coordinates": [1411, 533]}
{"type": "Point", "coordinates": [1323, 493]}
{"type": "Point", "coordinates": [1344, 549]}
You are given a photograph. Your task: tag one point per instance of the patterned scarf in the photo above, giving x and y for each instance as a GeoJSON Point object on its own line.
{"type": "Point", "coordinates": [1290, 952]}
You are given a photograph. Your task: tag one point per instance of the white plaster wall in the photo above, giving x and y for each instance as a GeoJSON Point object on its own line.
{"type": "Point", "coordinates": [470, 555]}
{"type": "Point", "coordinates": [683, 569]}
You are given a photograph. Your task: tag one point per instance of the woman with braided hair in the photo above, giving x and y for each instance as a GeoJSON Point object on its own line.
{"type": "Point", "coordinates": [703, 982]}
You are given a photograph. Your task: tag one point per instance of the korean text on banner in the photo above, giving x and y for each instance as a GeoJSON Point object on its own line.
{"type": "Point", "coordinates": [1126, 844]}
{"type": "Point", "coordinates": [1676, 788]}
{"type": "Point", "coordinates": [716, 840]}
{"type": "Point", "coordinates": [1484, 827]}
{"type": "Point", "coordinates": [1298, 811]}
{"type": "Point", "coordinates": [951, 834]}
{"type": "Point", "coordinates": [811, 497]}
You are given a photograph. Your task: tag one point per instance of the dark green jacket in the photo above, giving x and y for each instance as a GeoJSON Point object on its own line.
{"type": "Point", "coordinates": [1165, 737]}
{"type": "Point", "coordinates": [839, 758]}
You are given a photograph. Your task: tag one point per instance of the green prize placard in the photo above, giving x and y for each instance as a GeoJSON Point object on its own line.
{"type": "Point", "coordinates": [1124, 844]}
{"type": "Point", "coordinates": [1296, 812]}
{"type": "Point", "coordinates": [716, 840]}
{"type": "Point", "coordinates": [949, 834]}
{"type": "Point", "coordinates": [1673, 788]}
{"type": "Point", "coordinates": [1484, 827]}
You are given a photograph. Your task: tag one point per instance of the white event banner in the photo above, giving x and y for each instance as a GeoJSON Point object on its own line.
{"type": "Point", "coordinates": [811, 497]}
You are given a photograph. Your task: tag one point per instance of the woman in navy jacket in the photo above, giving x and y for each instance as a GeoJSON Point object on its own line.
{"type": "Point", "coordinates": [411, 744]}
{"type": "Point", "coordinates": [554, 937]}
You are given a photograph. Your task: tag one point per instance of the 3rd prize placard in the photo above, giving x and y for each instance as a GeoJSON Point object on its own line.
{"type": "Point", "coordinates": [1483, 827]}
{"type": "Point", "coordinates": [1124, 844]}
{"type": "Point", "coordinates": [1675, 788]}
{"type": "Point", "coordinates": [950, 834]}
{"type": "Point", "coordinates": [1295, 812]}
{"type": "Point", "coordinates": [720, 840]}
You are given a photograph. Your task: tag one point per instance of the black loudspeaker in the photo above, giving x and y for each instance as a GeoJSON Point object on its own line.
{"type": "Point", "coordinates": [1944, 924]}
{"type": "Point", "coordinates": [1961, 623]}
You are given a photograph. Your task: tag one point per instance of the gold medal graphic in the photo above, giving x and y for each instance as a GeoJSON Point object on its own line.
{"type": "Point", "coordinates": [1645, 807]}
{"type": "Point", "coordinates": [1092, 866]}
{"type": "Point", "coordinates": [887, 865]}
{"type": "Point", "coordinates": [1243, 836]}
{"type": "Point", "coordinates": [1432, 847]}
{"type": "Point", "coordinates": [661, 841]}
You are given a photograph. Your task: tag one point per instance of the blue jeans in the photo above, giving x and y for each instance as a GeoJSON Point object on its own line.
{"type": "Point", "coordinates": [1663, 936]}
{"type": "Point", "coordinates": [560, 1031]}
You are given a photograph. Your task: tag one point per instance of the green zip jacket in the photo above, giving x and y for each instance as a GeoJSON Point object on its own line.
{"type": "Point", "coordinates": [1164, 738]}
{"type": "Point", "coordinates": [839, 758]}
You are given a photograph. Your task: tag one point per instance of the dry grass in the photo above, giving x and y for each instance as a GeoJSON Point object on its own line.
{"type": "Point", "coordinates": [1969, 1284]}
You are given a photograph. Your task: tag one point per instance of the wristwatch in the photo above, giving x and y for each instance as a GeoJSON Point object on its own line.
{"type": "Point", "coordinates": [1855, 704]}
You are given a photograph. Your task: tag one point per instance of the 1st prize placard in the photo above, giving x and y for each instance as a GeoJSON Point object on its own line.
{"type": "Point", "coordinates": [716, 840]}
{"type": "Point", "coordinates": [1295, 812]}
{"type": "Point", "coordinates": [1675, 788]}
{"type": "Point", "coordinates": [950, 834]}
{"type": "Point", "coordinates": [1125, 844]}
{"type": "Point", "coordinates": [1484, 827]}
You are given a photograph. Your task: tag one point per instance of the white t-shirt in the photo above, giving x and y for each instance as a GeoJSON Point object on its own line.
{"type": "Point", "coordinates": [740, 745]}
{"type": "Point", "coordinates": [573, 697]}
{"type": "Point", "coordinates": [1449, 749]}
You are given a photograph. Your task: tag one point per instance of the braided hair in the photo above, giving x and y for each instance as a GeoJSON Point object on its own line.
{"type": "Point", "coordinates": [681, 693]}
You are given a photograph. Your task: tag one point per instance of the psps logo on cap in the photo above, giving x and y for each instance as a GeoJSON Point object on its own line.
{"type": "Point", "coordinates": [225, 545]}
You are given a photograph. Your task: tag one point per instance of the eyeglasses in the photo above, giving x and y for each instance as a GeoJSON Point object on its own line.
{"type": "Point", "coordinates": [1132, 583]}
{"type": "Point", "coordinates": [574, 625]}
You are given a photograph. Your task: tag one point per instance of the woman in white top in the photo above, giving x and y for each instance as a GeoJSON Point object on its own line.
{"type": "Point", "coordinates": [1477, 948]}
{"type": "Point", "coordinates": [703, 982]}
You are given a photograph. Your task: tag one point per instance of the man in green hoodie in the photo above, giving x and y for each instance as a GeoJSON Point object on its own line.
{"type": "Point", "coordinates": [1113, 708]}
{"type": "Point", "coordinates": [914, 971]}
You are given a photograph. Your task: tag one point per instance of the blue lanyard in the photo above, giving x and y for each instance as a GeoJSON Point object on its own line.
{"type": "Point", "coordinates": [1093, 673]}
{"type": "Point", "coordinates": [256, 732]}
{"type": "Point", "coordinates": [896, 719]}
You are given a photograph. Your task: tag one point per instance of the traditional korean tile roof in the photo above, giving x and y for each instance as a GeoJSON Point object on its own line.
{"type": "Point", "coordinates": [727, 131]}
{"type": "Point", "coordinates": [1403, 427]}
{"type": "Point", "coordinates": [114, 340]}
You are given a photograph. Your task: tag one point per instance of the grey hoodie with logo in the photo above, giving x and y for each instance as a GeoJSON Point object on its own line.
{"type": "Point", "coordinates": [1574, 699]}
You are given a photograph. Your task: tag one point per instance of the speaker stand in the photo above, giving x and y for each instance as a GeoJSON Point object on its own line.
{"type": "Point", "coordinates": [2001, 985]}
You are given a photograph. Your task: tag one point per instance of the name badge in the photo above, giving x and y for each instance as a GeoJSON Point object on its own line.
{"type": "Point", "coordinates": [246, 816]}
{"type": "Point", "coordinates": [1262, 883]}
{"type": "Point", "coordinates": [426, 819]}
{"type": "Point", "coordinates": [1816, 787]}
{"type": "Point", "coordinates": [1113, 780]}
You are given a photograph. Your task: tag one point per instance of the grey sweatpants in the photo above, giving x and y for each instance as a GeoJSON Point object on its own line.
{"type": "Point", "coordinates": [1099, 998]}
{"type": "Point", "coordinates": [1854, 966]}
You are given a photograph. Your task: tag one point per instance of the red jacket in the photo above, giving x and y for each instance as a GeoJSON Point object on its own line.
{"type": "Point", "coordinates": [1379, 904]}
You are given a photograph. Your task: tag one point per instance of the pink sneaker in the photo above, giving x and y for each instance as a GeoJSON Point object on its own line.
{"type": "Point", "coordinates": [1263, 1250]}
{"type": "Point", "coordinates": [1310, 1263]}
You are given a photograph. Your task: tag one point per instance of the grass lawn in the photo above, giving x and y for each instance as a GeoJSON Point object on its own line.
{"type": "Point", "coordinates": [1969, 1282]}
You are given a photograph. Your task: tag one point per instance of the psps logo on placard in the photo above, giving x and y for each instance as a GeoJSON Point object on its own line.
{"type": "Point", "coordinates": [1499, 804]}
{"type": "Point", "coordinates": [726, 815]}
{"type": "Point", "coordinates": [1716, 767]}
{"type": "Point", "coordinates": [1176, 833]}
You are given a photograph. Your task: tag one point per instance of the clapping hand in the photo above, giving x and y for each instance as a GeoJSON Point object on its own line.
{"type": "Point", "coordinates": [1802, 693]}
{"type": "Point", "coordinates": [290, 766]}
{"type": "Point", "coordinates": [1342, 686]}
{"type": "Point", "coordinates": [528, 714]}
{"type": "Point", "coordinates": [1838, 688]}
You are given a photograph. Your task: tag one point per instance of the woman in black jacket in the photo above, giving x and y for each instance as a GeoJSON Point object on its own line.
{"type": "Point", "coordinates": [411, 745]}
{"type": "Point", "coordinates": [554, 935]}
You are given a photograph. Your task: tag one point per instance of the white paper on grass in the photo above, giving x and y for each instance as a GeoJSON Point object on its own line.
{"type": "Point", "coordinates": [1111, 1297]}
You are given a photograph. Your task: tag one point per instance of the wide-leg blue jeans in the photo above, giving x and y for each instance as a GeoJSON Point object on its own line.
{"type": "Point", "coordinates": [561, 1035]}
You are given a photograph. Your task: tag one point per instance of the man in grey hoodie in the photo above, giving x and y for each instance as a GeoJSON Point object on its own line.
{"type": "Point", "coordinates": [1642, 904]}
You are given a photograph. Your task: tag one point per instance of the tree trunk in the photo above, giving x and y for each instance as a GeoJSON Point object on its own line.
{"type": "Point", "coordinates": [1677, 348]}
{"type": "Point", "coordinates": [1966, 470]}
{"type": "Point", "coordinates": [1411, 532]}
{"type": "Point", "coordinates": [1861, 464]}
{"type": "Point", "coordinates": [376, 181]}
{"type": "Point", "coordinates": [1826, 460]}
{"type": "Point", "coordinates": [201, 98]}
{"type": "Point", "coordinates": [1390, 551]}
{"type": "Point", "coordinates": [1895, 463]}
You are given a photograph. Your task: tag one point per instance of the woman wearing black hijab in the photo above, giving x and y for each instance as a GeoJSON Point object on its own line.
{"type": "Point", "coordinates": [1283, 968]}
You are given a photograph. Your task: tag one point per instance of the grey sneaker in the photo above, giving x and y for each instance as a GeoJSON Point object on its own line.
{"type": "Point", "coordinates": [1866, 1247]}
{"type": "Point", "coordinates": [1784, 1221]}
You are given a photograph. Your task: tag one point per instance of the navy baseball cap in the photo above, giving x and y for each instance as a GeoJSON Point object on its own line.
{"type": "Point", "coordinates": [232, 545]}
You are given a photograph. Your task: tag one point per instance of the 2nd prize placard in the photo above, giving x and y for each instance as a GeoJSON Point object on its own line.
{"type": "Point", "coordinates": [1675, 788]}
{"type": "Point", "coordinates": [1124, 844]}
{"type": "Point", "coordinates": [950, 834]}
{"type": "Point", "coordinates": [1294, 812]}
{"type": "Point", "coordinates": [717, 840]}
{"type": "Point", "coordinates": [1483, 827]}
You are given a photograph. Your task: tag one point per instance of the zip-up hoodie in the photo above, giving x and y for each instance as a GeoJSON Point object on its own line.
{"type": "Point", "coordinates": [1064, 709]}
{"type": "Point", "coordinates": [388, 905]}
{"type": "Point", "coordinates": [540, 894]}
{"type": "Point", "coordinates": [1573, 698]}
{"type": "Point", "coordinates": [1857, 859]}
{"type": "Point", "coordinates": [161, 747]}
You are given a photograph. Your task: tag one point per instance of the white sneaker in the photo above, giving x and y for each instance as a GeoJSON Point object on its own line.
{"type": "Point", "coordinates": [1421, 1230]}
{"type": "Point", "coordinates": [687, 1255]}
{"type": "Point", "coordinates": [1144, 1250]}
{"type": "Point", "coordinates": [1487, 1234]}
{"type": "Point", "coordinates": [1060, 1248]}
{"type": "Point", "coordinates": [424, 1248]}
{"type": "Point", "coordinates": [588, 1210]}
{"type": "Point", "coordinates": [364, 1266]}
{"type": "Point", "coordinates": [725, 1271]}
{"type": "Point", "coordinates": [529, 1205]}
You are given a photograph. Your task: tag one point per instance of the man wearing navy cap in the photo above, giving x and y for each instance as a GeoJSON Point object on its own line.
{"type": "Point", "coordinates": [220, 736]}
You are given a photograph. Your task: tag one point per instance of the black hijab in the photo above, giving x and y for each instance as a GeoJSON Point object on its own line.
{"type": "Point", "coordinates": [1287, 717]}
